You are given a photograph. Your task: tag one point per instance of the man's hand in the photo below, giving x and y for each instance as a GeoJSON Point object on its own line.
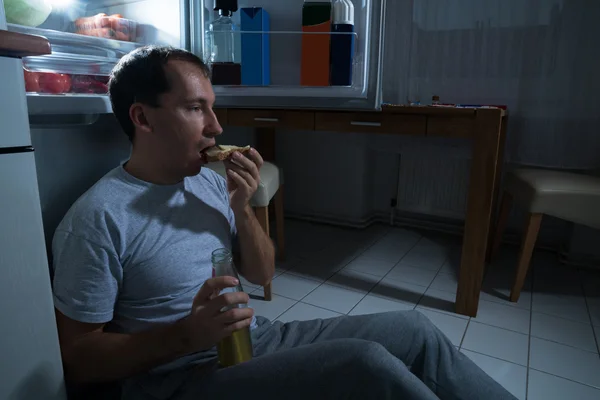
{"type": "Point", "coordinates": [242, 178]}
{"type": "Point", "coordinates": [207, 325]}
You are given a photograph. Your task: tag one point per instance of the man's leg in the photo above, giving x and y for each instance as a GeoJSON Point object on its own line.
{"type": "Point", "coordinates": [409, 336]}
{"type": "Point", "coordinates": [336, 369]}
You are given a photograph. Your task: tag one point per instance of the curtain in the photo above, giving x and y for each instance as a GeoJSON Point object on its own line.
{"type": "Point", "coordinates": [539, 57]}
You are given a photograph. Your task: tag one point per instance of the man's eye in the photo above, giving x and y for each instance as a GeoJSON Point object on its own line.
{"type": "Point", "coordinates": [196, 109]}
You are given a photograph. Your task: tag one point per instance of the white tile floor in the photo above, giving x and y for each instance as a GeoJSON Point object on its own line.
{"type": "Point", "coordinates": [545, 347]}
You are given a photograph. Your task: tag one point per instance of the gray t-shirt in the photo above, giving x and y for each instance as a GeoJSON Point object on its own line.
{"type": "Point", "coordinates": [133, 255]}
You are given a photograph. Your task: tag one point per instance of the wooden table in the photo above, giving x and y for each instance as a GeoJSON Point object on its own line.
{"type": "Point", "coordinates": [485, 127]}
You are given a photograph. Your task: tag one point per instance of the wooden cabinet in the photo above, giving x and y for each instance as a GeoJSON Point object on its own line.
{"type": "Point", "coordinates": [289, 119]}
{"type": "Point", "coordinates": [221, 114]}
{"type": "Point", "coordinates": [371, 122]}
{"type": "Point", "coordinates": [458, 127]}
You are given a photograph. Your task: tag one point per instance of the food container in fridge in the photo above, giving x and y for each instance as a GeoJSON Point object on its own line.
{"type": "Point", "coordinates": [107, 26]}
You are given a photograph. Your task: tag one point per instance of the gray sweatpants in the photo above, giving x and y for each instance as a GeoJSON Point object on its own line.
{"type": "Point", "coordinates": [397, 355]}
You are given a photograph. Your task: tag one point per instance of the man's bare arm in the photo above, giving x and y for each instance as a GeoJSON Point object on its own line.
{"type": "Point", "coordinates": [91, 355]}
{"type": "Point", "coordinates": [256, 248]}
{"type": "Point", "coordinates": [257, 252]}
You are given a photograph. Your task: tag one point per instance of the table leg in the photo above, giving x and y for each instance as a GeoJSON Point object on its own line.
{"type": "Point", "coordinates": [486, 150]}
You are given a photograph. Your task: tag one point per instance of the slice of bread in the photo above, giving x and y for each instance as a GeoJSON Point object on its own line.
{"type": "Point", "coordinates": [223, 152]}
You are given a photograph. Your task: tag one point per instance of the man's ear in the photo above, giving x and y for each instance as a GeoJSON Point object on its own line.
{"type": "Point", "coordinates": [137, 113]}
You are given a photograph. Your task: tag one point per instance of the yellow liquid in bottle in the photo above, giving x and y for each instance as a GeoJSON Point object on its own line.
{"type": "Point", "coordinates": [235, 349]}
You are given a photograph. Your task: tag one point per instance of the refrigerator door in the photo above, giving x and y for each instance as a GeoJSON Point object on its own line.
{"type": "Point", "coordinates": [13, 104]}
{"type": "Point", "coordinates": [2, 16]}
{"type": "Point", "coordinates": [31, 367]}
{"type": "Point", "coordinates": [286, 57]}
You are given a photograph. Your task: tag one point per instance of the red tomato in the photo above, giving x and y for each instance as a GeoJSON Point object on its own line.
{"type": "Point", "coordinates": [32, 81]}
{"type": "Point", "coordinates": [55, 83]}
{"type": "Point", "coordinates": [66, 81]}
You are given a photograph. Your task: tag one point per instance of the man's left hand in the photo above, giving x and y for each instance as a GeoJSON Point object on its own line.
{"type": "Point", "coordinates": [242, 178]}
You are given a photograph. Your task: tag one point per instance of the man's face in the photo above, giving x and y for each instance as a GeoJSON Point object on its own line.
{"type": "Point", "coordinates": [184, 124]}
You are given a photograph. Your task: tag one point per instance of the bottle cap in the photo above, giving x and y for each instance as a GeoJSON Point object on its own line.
{"type": "Point", "coordinates": [343, 12]}
{"type": "Point", "coordinates": [226, 5]}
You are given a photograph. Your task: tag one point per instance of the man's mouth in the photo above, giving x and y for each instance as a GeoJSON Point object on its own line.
{"type": "Point", "coordinates": [203, 155]}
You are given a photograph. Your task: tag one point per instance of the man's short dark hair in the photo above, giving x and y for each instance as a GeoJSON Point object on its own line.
{"type": "Point", "coordinates": [140, 77]}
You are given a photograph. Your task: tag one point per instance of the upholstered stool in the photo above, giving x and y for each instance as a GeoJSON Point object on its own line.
{"type": "Point", "coordinates": [270, 188]}
{"type": "Point", "coordinates": [573, 197]}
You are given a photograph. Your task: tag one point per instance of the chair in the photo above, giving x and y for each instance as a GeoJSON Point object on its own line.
{"type": "Point", "coordinates": [270, 188]}
{"type": "Point", "coordinates": [569, 196]}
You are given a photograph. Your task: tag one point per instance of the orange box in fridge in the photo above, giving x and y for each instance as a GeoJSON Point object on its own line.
{"type": "Point", "coordinates": [316, 43]}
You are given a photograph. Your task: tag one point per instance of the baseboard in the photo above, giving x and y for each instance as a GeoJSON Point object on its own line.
{"type": "Point", "coordinates": [421, 222]}
{"type": "Point", "coordinates": [579, 260]}
{"type": "Point", "coordinates": [404, 220]}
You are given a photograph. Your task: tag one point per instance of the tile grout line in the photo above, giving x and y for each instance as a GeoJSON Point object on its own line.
{"type": "Point", "coordinates": [286, 310]}
{"type": "Point", "coordinates": [530, 330]}
{"type": "Point", "coordinates": [529, 368]}
{"type": "Point", "coordinates": [567, 379]}
{"type": "Point", "coordinates": [380, 279]}
{"type": "Point", "coordinates": [587, 306]}
{"type": "Point", "coordinates": [464, 334]}
{"type": "Point", "coordinates": [345, 265]}
{"type": "Point", "coordinates": [530, 335]}
{"type": "Point", "coordinates": [430, 283]}
{"type": "Point", "coordinates": [496, 358]}
{"type": "Point", "coordinates": [403, 257]}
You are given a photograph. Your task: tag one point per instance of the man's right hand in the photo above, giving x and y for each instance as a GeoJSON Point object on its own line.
{"type": "Point", "coordinates": [207, 325]}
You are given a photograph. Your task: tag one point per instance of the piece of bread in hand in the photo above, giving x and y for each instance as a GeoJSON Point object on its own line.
{"type": "Point", "coordinates": [223, 152]}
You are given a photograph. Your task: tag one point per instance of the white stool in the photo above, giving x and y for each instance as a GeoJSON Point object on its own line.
{"type": "Point", "coordinates": [270, 188]}
{"type": "Point", "coordinates": [569, 196]}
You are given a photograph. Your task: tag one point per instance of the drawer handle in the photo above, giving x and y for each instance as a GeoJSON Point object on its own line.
{"type": "Point", "coordinates": [359, 123]}
{"type": "Point", "coordinates": [266, 119]}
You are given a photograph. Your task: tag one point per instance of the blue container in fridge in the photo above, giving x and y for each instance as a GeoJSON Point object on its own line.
{"type": "Point", "coordinates": [256, 47]}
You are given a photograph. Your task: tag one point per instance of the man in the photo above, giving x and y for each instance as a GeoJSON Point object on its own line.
{"type": "Point", "coordinates": [134, 297]}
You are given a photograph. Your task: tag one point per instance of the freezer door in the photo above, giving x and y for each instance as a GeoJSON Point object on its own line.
{"type": "Point", "coordinates": [14, 129]}
{"type": "Point", "coordinates": [31, 367]}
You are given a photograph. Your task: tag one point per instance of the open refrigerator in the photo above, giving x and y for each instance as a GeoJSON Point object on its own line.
{"type": "Point", "coordinates": [88, 37]}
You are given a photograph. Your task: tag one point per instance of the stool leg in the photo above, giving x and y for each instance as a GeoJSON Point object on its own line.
{"type": "Point", "coordinates": [503, 215]}
{"type": "Point", "coordinates": [262, 215]}
{"type": "Point", "coordinates": [280, 222]}
{"type": "Point", "coordinates": [531, 233]}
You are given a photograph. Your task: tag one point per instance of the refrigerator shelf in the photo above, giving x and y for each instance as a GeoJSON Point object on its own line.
{"type": "Point", "coordinates": [69, 103]}
{"type": "Point", "coordinates": [72, 43]}
{"type": "Point", "coordinates": [75, 54]}
{"type": "Point", "coordinates": [65, 63]}
{"type": "Point", "coordinates": [284, 65]}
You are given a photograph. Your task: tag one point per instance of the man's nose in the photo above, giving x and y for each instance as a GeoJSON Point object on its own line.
{"type": "Point", "coordinates": [214, 128]}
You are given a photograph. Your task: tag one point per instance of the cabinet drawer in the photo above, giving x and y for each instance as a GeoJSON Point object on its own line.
{"type": "Point", "coordinates": [289, 119]}
{"type": "Point", "coordinates": [221, 114]}
{"type": "Point", "coordinates": [372, 122]}
{"type": "Point", "coordinates": [460, 127]}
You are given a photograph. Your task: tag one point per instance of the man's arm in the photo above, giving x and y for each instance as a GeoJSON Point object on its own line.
{"type": "Point", "coordinates": [91, 355]}
{"type": "Point", "coordinates": [257, 258]}
{"type": "Point", "coordinates": [257, 251]}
